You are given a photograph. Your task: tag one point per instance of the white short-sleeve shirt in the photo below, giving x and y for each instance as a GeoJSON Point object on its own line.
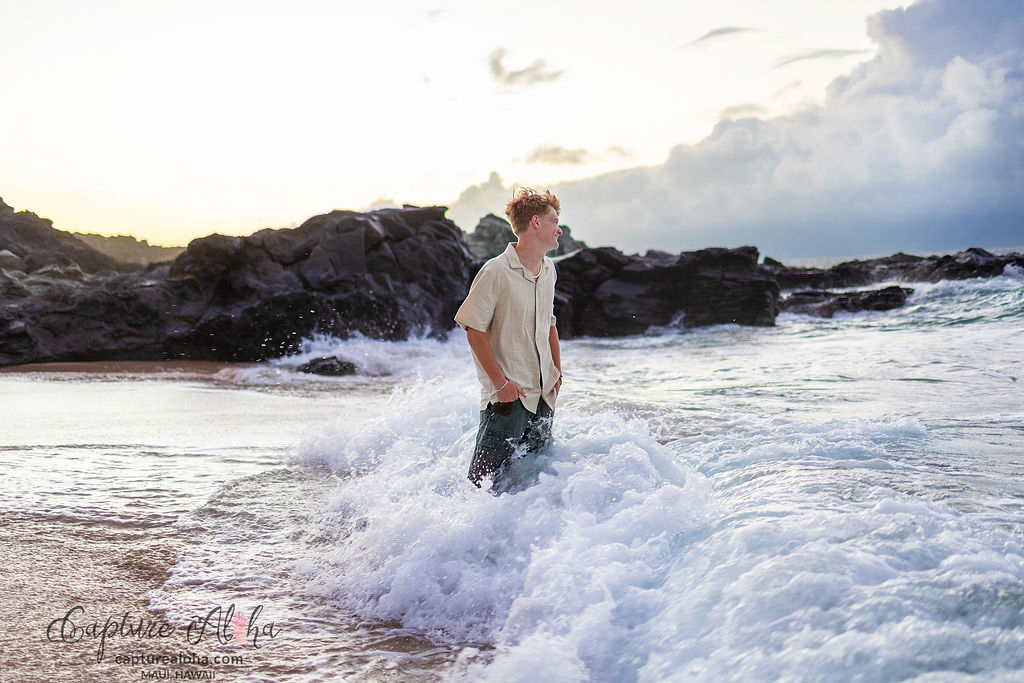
{"type": "Point", "coordinates": [516, 313]}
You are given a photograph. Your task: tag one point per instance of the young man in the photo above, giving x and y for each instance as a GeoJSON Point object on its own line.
{"type": "Point", "coordinates": [510, 326]}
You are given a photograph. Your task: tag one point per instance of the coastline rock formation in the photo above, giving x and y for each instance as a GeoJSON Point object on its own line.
{"type": "Point", "coordinates": [128, 250]}
{"type": "Point", "coordinates": [387, 274]}
{"type": "Point", "coordinates": [969, 263]}
{"type": "Point", "coordinates": [38, 244]}
{"type": "Point", "coordinates": [824, 304]}
{"type": "Point", "coordinates": [605, 293]}
{"type": "Point", "coordinates": [814, 283]}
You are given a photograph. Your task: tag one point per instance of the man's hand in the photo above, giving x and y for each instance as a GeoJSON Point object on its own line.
{"type": "Point", "coordinates": [511, 392]}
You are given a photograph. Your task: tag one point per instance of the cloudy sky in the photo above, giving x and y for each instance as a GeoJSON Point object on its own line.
{"type": "Point", "coordinates": [802, 127]}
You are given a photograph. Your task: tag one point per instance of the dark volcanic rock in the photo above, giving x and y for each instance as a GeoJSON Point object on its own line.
{"type": "Point", "coordinates": [824, 304]}
{"type": "Point", "coordinates": [566, 243]}
{"type": "Point", "coordinates": [386, 274]}
{"type": "Point", "coordinates": [328, 365]}
{"type": "Point", "coordinates": [970, 263]}
{"type": "Point", "coordinates": [38, 244]}
{"type": "Point", "coordinates": [603, 292]}
{"type": "Point", "coordinates": [490, 237]}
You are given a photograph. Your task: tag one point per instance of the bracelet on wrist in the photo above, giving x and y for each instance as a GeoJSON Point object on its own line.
{"type": "Point", "coordinates": [504, 385]}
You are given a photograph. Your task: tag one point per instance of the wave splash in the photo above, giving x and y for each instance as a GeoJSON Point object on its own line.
{"type": "Point", "coordinates": [587, 538]}
{"type": "Point", "coordinates": [803, 545]}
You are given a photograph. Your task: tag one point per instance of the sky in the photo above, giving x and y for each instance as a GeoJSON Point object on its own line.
{"type": "Point", "coordinates": [801, 127]}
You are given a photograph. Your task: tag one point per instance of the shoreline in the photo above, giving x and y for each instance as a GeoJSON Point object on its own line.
{"type": "Point", "coordinates": [201, 367]}
{"type": "Point", "coordinates": [103, 459]}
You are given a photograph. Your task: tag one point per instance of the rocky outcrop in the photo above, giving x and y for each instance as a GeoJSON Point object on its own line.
{"type": "Point", "coordinates": [490, 237]}
{"type": "Point", "coordinates": [386, 274]}
{"type": "Point", "coordinates": [824, 304]}
{"type": "Point", "coordinates": [328, 365]}
{"type": "Point", "coordinates": [127, 249]}
{"type": "Point", "coordinates": [566, 243]}
{"type": "Point", "coordinates": [493, 233]}
{"type": "Point", "coordinates": [38, 244]}
{"type": "Point", "coordinates": [970, 263]}
{"type": "Point", "coordinates": [603, 292]}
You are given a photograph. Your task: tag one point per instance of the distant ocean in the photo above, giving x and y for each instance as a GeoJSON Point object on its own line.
{"type": "Point", "coordinates": [825, 500]}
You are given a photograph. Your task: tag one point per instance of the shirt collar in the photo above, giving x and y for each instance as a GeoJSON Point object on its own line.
{"type": "Point", "coordinates": [513, 262]}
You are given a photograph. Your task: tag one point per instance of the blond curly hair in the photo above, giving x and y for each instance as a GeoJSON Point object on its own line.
{"type": "Point", "coordinates": [527, 203]}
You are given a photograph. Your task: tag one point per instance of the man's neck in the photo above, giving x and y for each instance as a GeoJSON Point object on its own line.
{"type": "Point", "coordinates": [531, 255]}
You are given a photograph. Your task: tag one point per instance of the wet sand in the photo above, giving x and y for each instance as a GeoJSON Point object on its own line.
{"type": "Point", "coordinates": [52, 565]}
{"type": "Point", "coordinates": [110, 433]}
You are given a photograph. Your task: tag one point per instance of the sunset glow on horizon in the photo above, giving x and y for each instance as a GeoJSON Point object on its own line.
{"type": "Point", "coordinates": [173, 120]}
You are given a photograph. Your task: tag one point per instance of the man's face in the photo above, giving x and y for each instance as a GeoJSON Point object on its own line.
{"type": "Point", "coordinates": [549, 232]}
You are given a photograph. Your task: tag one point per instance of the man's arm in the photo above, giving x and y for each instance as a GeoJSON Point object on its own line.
{"type": "Point", "coordinates": [485, 355]}
{"type": "Point", "coordinates": [556, 355]}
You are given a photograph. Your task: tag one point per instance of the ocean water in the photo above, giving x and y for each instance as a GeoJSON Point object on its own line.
{"type": "Point", "coordinates": [829, 499]}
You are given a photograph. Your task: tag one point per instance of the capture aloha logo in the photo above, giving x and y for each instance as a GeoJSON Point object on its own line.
{"type": "Point", "coordinates": [224, 625]}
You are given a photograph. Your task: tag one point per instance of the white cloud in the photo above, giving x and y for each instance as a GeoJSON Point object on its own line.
{"type": "Point", "coordinates": [719, 32]}
{"type": "Point", "coordinates": [556, 154]}
{"type": "Point", "coordinates": [825, 53]}
{"type": "Point", "coordinates": [537, 72]}
{"type": "Point", "coordinates": [477, 201]}
{"type": "Point", "coordinates": [382, 203]}
{"type": "Point", "coordinates": [920, 148]}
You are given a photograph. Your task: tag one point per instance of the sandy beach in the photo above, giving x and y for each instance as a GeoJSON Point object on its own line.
{"type": "Point", "coordinates": [102, 462]}
{"type": "Point", "coordinates": [52, 565]}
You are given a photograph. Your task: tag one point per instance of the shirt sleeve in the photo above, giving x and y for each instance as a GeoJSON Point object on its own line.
{"type": "Point", "coordinates": [478, 308]}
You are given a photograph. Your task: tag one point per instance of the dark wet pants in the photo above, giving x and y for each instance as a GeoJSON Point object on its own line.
{"type": "Point", "coordinates": [503, 427]}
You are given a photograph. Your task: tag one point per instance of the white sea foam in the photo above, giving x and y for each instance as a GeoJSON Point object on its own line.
{"type": "Point", "coordinates": [373, 359]}
{"type": "Point", "coordinates": [811, 502]}
{"type": "Point", "coordinates": [594, 523]}
{"type": "Point", "coordinates": [823, 500]}
{"type": "Point", "coordinates": [379, 358]}
{"type": "Point", "coordinates": [1013, 271]}
{"type": "Point", "coordinates": [772, 548]}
